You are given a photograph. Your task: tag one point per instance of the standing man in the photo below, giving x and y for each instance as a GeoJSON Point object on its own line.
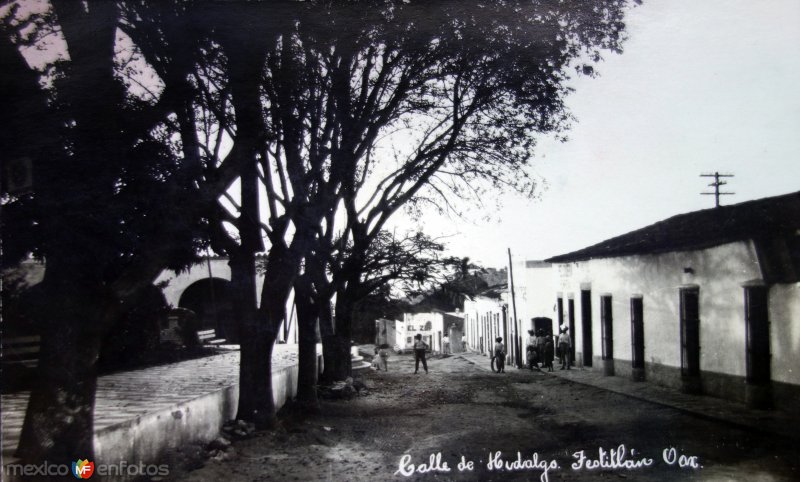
{"type": "Point", "coordinates": [564, 342]}
{"type": "Point", "coordinates": [499, 355]}
{"type": "Point", "coordinates": [419, 353]}
{"type": "Point", "coordinates": [530, 349]}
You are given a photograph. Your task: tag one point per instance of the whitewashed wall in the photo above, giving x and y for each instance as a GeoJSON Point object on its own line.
{"type": "Point", "coordinates": [535, 291]}
{"type": "Point", "coordinates": [433, 336]}
{"type": "Point", "coordinates": [483, 317]}
{"type": "Point", "coordinates": [719, 272]}
{"type": "Point", "coordinates": [784, 315]}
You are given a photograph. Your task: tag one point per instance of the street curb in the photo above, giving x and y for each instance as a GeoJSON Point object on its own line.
{"type": "Point", "coordinates": [698, 414]}
{"type": "Point", "coordinates": [792, 435]}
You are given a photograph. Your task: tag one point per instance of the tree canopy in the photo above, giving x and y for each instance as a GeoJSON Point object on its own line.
{"type": "Point", "coordinates": [292, 128]}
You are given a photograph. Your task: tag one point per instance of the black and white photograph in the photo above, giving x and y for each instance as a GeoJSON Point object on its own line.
{"type": "Point", "coordinates": [400, 240]}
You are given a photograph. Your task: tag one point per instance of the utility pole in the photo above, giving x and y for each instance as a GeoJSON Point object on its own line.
{"type": "Point", "coordinates": [514, 308]}
{"type": "Point", "coordinates": [716, 184]}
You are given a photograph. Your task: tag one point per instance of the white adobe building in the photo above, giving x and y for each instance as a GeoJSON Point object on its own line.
{"type": "Point", "coordinates": [485, 318]}
{"type": "Point", "coordinates": [707, 302]}
{"type": "Point", "coordinates": [433, 326]}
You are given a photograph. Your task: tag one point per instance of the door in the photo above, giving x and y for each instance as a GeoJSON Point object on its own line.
{"type": "Point", "coordinates": [637, 333]}
{"type": "Point", "coordinates": [607, 327]}
{"type": "Point", "coordinates": [757, 334]}
{"type": "Point", "coordinates": [586, 326]}
{"type": "Point", "coordinates": [543, 323]}
{"type": "Point", "coordinates": [690, 331]}
{"type": "Point", "coordinates": [571, 326]}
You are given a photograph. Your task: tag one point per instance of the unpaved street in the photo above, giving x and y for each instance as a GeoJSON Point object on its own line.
{"type": "Point", "coordinates": [460, 413]}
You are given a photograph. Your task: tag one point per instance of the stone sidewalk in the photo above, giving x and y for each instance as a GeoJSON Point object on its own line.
{"type": "Point", "coordinates": [770, 422]}
{"type": "Point", "coordinates": [124, 396]}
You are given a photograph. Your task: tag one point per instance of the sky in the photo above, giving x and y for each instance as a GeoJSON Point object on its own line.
{"type": "Point", "coordinates": [700, 87]}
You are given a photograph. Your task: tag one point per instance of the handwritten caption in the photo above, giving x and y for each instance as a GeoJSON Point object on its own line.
{"type": "Point", "coordinates": [619, 458]}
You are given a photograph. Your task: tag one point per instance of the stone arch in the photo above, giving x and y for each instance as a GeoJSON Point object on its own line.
{"type": "Point", "coordinates": [210, 299]}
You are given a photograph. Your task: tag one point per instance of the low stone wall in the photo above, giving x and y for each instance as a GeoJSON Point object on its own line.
{"type": "Point", "coordinates": [143, 414]}
{"type": "Point", "coordinates": [147, 438]}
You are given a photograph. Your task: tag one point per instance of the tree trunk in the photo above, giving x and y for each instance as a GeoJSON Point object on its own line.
{"type": "Point", "coordinates": [255, 366]}
{"type": "Point", "coordinates": [59, 421]}
{"type": "Point", "coordinates": [336, 354]}
{"type": "Point", "coordinates": [336, 346]}
{"type": "Point", "coordinates": [76, 307]}
{"type": "Point", "coordinates": [307, 345]}
{"type": "Point", "coordinates": [255, 376]}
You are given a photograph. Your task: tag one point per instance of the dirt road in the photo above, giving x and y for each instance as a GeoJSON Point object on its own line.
{"type": "Point", "coordinates": [461, 422]}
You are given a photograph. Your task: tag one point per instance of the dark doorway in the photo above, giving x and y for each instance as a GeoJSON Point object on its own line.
{"type": "Point", "coordinates": [757, 334]}
{"type": "Point", "coordinates": [560, 312]}
{"type": "Point", "coordinates": [210, 300]}
{"type": "Point", "coordinates": [586, 326]}
{"type": "Point", "coordinates": [543, 323]}
{"type": "Point", "coordinates": [571, 325]}
{"type": "Point", "coordinates": [637, 338]}
{"type": "Point", "coordinates": [690, 338]}
{"type": "Point", "coordinates": [607, 334]}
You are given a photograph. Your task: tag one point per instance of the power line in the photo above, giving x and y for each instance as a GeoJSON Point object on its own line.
{"type": "Point", "coordinates": [716, 184]}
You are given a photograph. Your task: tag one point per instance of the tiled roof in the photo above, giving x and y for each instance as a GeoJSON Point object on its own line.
{"type": "Point", "coordinates": [762, 220]}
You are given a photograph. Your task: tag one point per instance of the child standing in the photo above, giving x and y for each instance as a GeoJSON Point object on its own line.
{"type": "Point", "coordinates": [383, 357]}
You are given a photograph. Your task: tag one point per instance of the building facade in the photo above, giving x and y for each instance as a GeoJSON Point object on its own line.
{"type": "Point", "coordinates": [487, 317]}
{"type": "Point", "coordinates": [705, 302]}
{"type": "Point", "coordinates": [435, 327]}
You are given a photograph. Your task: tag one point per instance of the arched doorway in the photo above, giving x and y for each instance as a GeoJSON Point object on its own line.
{"type": "Point", "coordinates": [211, 301]}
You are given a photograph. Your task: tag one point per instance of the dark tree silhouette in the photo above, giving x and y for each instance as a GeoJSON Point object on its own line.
{"type": "Point", "coordinates": [110, 207]}
{"type": "Point", "coordinates": [341, 112]}
{"type": "Point", "coordinates": [456, 90]}
{"type": "Point", "coordinates": [408, 263]}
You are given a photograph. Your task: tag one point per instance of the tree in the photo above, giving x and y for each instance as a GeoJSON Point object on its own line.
{"type": "Point", "coordinates": [464, 281]}
{"type": "Point", "coordinates": [407, 263]}
{"type": "Point", "coordinates": [312, 96]}
{"type": "Point", "coordinates": [112, 205]}
{"type": "Point", "coordinates": [345, 78]}
{"type": "Point", "coordinates": [399, 268]}
{"type": "Point", "coordinates": [459, 100]}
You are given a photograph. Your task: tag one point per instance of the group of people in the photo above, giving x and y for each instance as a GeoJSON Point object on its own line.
{"type": "Point", "coordinates": [381, 359]}
{"type": "Point", "coordinates": [540, 348]}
